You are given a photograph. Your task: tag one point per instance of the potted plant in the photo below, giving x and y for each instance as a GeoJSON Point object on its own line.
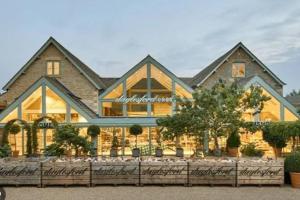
{"type": "Point", "coordinates": [233, 144]}
{"type": "Point", "coordinates": [292, 166]}
{"type": "Point", "coordinates": [5, 151]}
{"type": "Point", "coordinates": [274, 136]}
{"type": "Point", "coordinates": [136, 130]}
{"type": "Point", "coordinates": [250, 150]}
{"type": "Point", "coordinates": [158, 149]}
{"type": "Point", "coordinates": [15, 129]}
{"type": "Point", "coordinates": [114, 146]}
{"type": "Point", "coordinates": [94, 131]}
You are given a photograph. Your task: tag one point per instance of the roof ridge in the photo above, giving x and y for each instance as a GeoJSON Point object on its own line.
{"type": "Point", "coordinates": [206, 72]}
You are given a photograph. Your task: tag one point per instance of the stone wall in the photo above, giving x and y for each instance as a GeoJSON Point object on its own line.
{"type": "Point", "coordinates": [70, 76]}
{"type": "Point", "coordinates": [224, 72]}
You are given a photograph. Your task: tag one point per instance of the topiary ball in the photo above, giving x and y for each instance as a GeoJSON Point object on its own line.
{"type": "Point", "coordinates": [14, 129]}
{"type": "Point", "coordinates": [93, 130]}
{"type": "Point", "coordinates": [136, 130]}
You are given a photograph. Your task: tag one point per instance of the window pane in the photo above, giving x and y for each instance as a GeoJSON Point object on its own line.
{"type": "Point", "coordinates": [32, 106]}
{"type": "Point", "coordinates": [56, 68]}
{"type": "Point", "coordinates": [115, 93]}
{"type": "Point", "coordinates": [289, 116]}
{"type": "Point", "coordinates": [76, 117]}
{"type": "Point", "coordinates": [55, 106]}
{"type": "Point", "coordinates": [181, 92]}
{"type": "Point", "coordinates": [271, 111]}
{"type": "Point", "coordinates": [136, 109]}
{"type": "Point", "coordinates": [106, 138]}
{"type": "Point", "coordinates": [50, 68]}
{"type": "Point", "coordinates": [142, 142]}
{"type": "Point", "coordinates": [136, 84]}
{"type": "Point", "coordinates": [161, 84]}
{"type": "Point", "coordinates": [238, 70]}
{"type": "Point", "coordinates": [112, 109]}
{"type": "Point", "coordinates": [10, 116]}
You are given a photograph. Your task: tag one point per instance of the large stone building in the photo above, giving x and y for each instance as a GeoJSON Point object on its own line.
{"type": "Point", "coordinates": [56, 83]}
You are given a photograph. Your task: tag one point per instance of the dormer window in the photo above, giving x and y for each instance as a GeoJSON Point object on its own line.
{"type": "Point", "coordinates": [238, 70]}
{"type": "Point", "coordinates": [53, 68]}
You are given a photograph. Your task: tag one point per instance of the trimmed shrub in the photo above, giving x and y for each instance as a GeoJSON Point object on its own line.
{"type": "Point", "coordinates": [93, 130]}
{"type": "Point", "coordinates": [292, 162]}
{"type": "Point", "coordinates": [234, 140]}
{"type": "Point", "coordinates": [250, 150]}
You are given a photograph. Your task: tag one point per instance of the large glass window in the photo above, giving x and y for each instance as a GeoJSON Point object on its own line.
{"type": "Point", "coordinates": [76, 117]}
{"type": "Point", "coordinates": [142, 141]}
{"type": "Point", "coordinates": [106, 138]}
{"type": "Point", "coordinates": [10, 116]}
{"type": "Point", "coordinates": [112, 109]}
{"type": "Point", "coordinates": [142, 93]}
{"type": "Point", "coordinates": [32, 106]}
{"type": "Point", "coordinates": [55, 106]}
{"type": "Point", "coordinates": [289, 116]}
{"type": "Point", "coordinates": [271, 111]}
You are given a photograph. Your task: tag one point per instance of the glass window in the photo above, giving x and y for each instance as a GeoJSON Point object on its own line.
{"type": "Point", "coordinates": [76, 117]}
{"type": "Point", "coordinates": [136, 84]}
{"type": "Point", "coordinates": [289, 116]}
{"type": "Point", "coordinates": [112, 109]}
{"type": "Point", "coordinates": [271, 110]}
{"type": "Point", "coordinates": [115, 93]}
{"type": "Point", "coordinates": [55, 106]}
{"type": "Point", "coordinates": [181, 92]}
{"type": "Point", "coordinates": [238, 70]}
{"type": "Point", "coordinates": [32, 106]}
{"type": "Point", "coordinates": [106, 138]}
{"type": "Point", "coordinates": [53, 67]}
{"type": "Point", "coordinates": [10, 116]}
{"type": "Point", "coordinates": [142, 142]}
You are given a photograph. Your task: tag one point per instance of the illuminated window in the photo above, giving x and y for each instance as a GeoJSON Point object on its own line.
{"type": "Point", "coordinates": [53, 67]}
{"type": "Point", "coordinates": [238, 70]}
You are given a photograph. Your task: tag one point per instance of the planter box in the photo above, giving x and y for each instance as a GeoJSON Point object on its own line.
{"type": "Point", "coordinates": [65, 173]}
{"type": "Point", "coordinates": [115, 173]}
{"type": "Point", "coordinates": [164, 173]}
{"type": "Point", "coordinates": [20, 173]}
{"type": "Point", "coordinates": [255, 172]}
{"type": "Point", "coordinates": [212, 172]}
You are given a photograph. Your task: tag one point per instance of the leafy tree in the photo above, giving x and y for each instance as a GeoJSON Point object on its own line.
{"type": "Point", "coordinates": [67, 137]}
{"type": "Point", "coordinates": [217, 111]}
{"type": "Point", "coordinates": [294, 93]}
{"type": "Point", "coordinates": [174, 127]}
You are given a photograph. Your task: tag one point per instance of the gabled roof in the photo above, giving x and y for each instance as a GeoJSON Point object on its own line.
{"type": "Point", "coordinates": [199, 78]}
{"type": "Point", "coordinates": [60, 90]}
{"type": "Point", "coordinates": [295, 100]}
{"type": "Point", "coordinates": [83, 68]}
{"type": "Point", "coordinates": [147, 59]}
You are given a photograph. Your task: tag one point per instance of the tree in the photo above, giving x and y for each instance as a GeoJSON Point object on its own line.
{"type": "Point", "coordinates": [174, 127]}
{"type": "Point", "coordinates": [67, 137]}
{"type": "Point", "coordinates": [294, 93]}
{"type": "Point", "coordinates": [218, 111]}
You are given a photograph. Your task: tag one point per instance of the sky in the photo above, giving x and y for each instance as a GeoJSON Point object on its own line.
{"type": "Point", "coordinates": [184, 36]}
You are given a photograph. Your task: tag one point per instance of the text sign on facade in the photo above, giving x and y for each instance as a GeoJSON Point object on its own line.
{"type": "Point", "coordinates": [144, 99]}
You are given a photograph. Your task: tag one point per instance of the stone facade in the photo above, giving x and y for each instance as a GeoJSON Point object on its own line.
{"type": "Point", "coordinates": [69, 76]}
{"type": "Point", "coordinates": [224, 72]}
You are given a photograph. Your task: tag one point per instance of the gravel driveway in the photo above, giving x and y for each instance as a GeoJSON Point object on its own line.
{"type": "Point", "coordinates": [156, 193]}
